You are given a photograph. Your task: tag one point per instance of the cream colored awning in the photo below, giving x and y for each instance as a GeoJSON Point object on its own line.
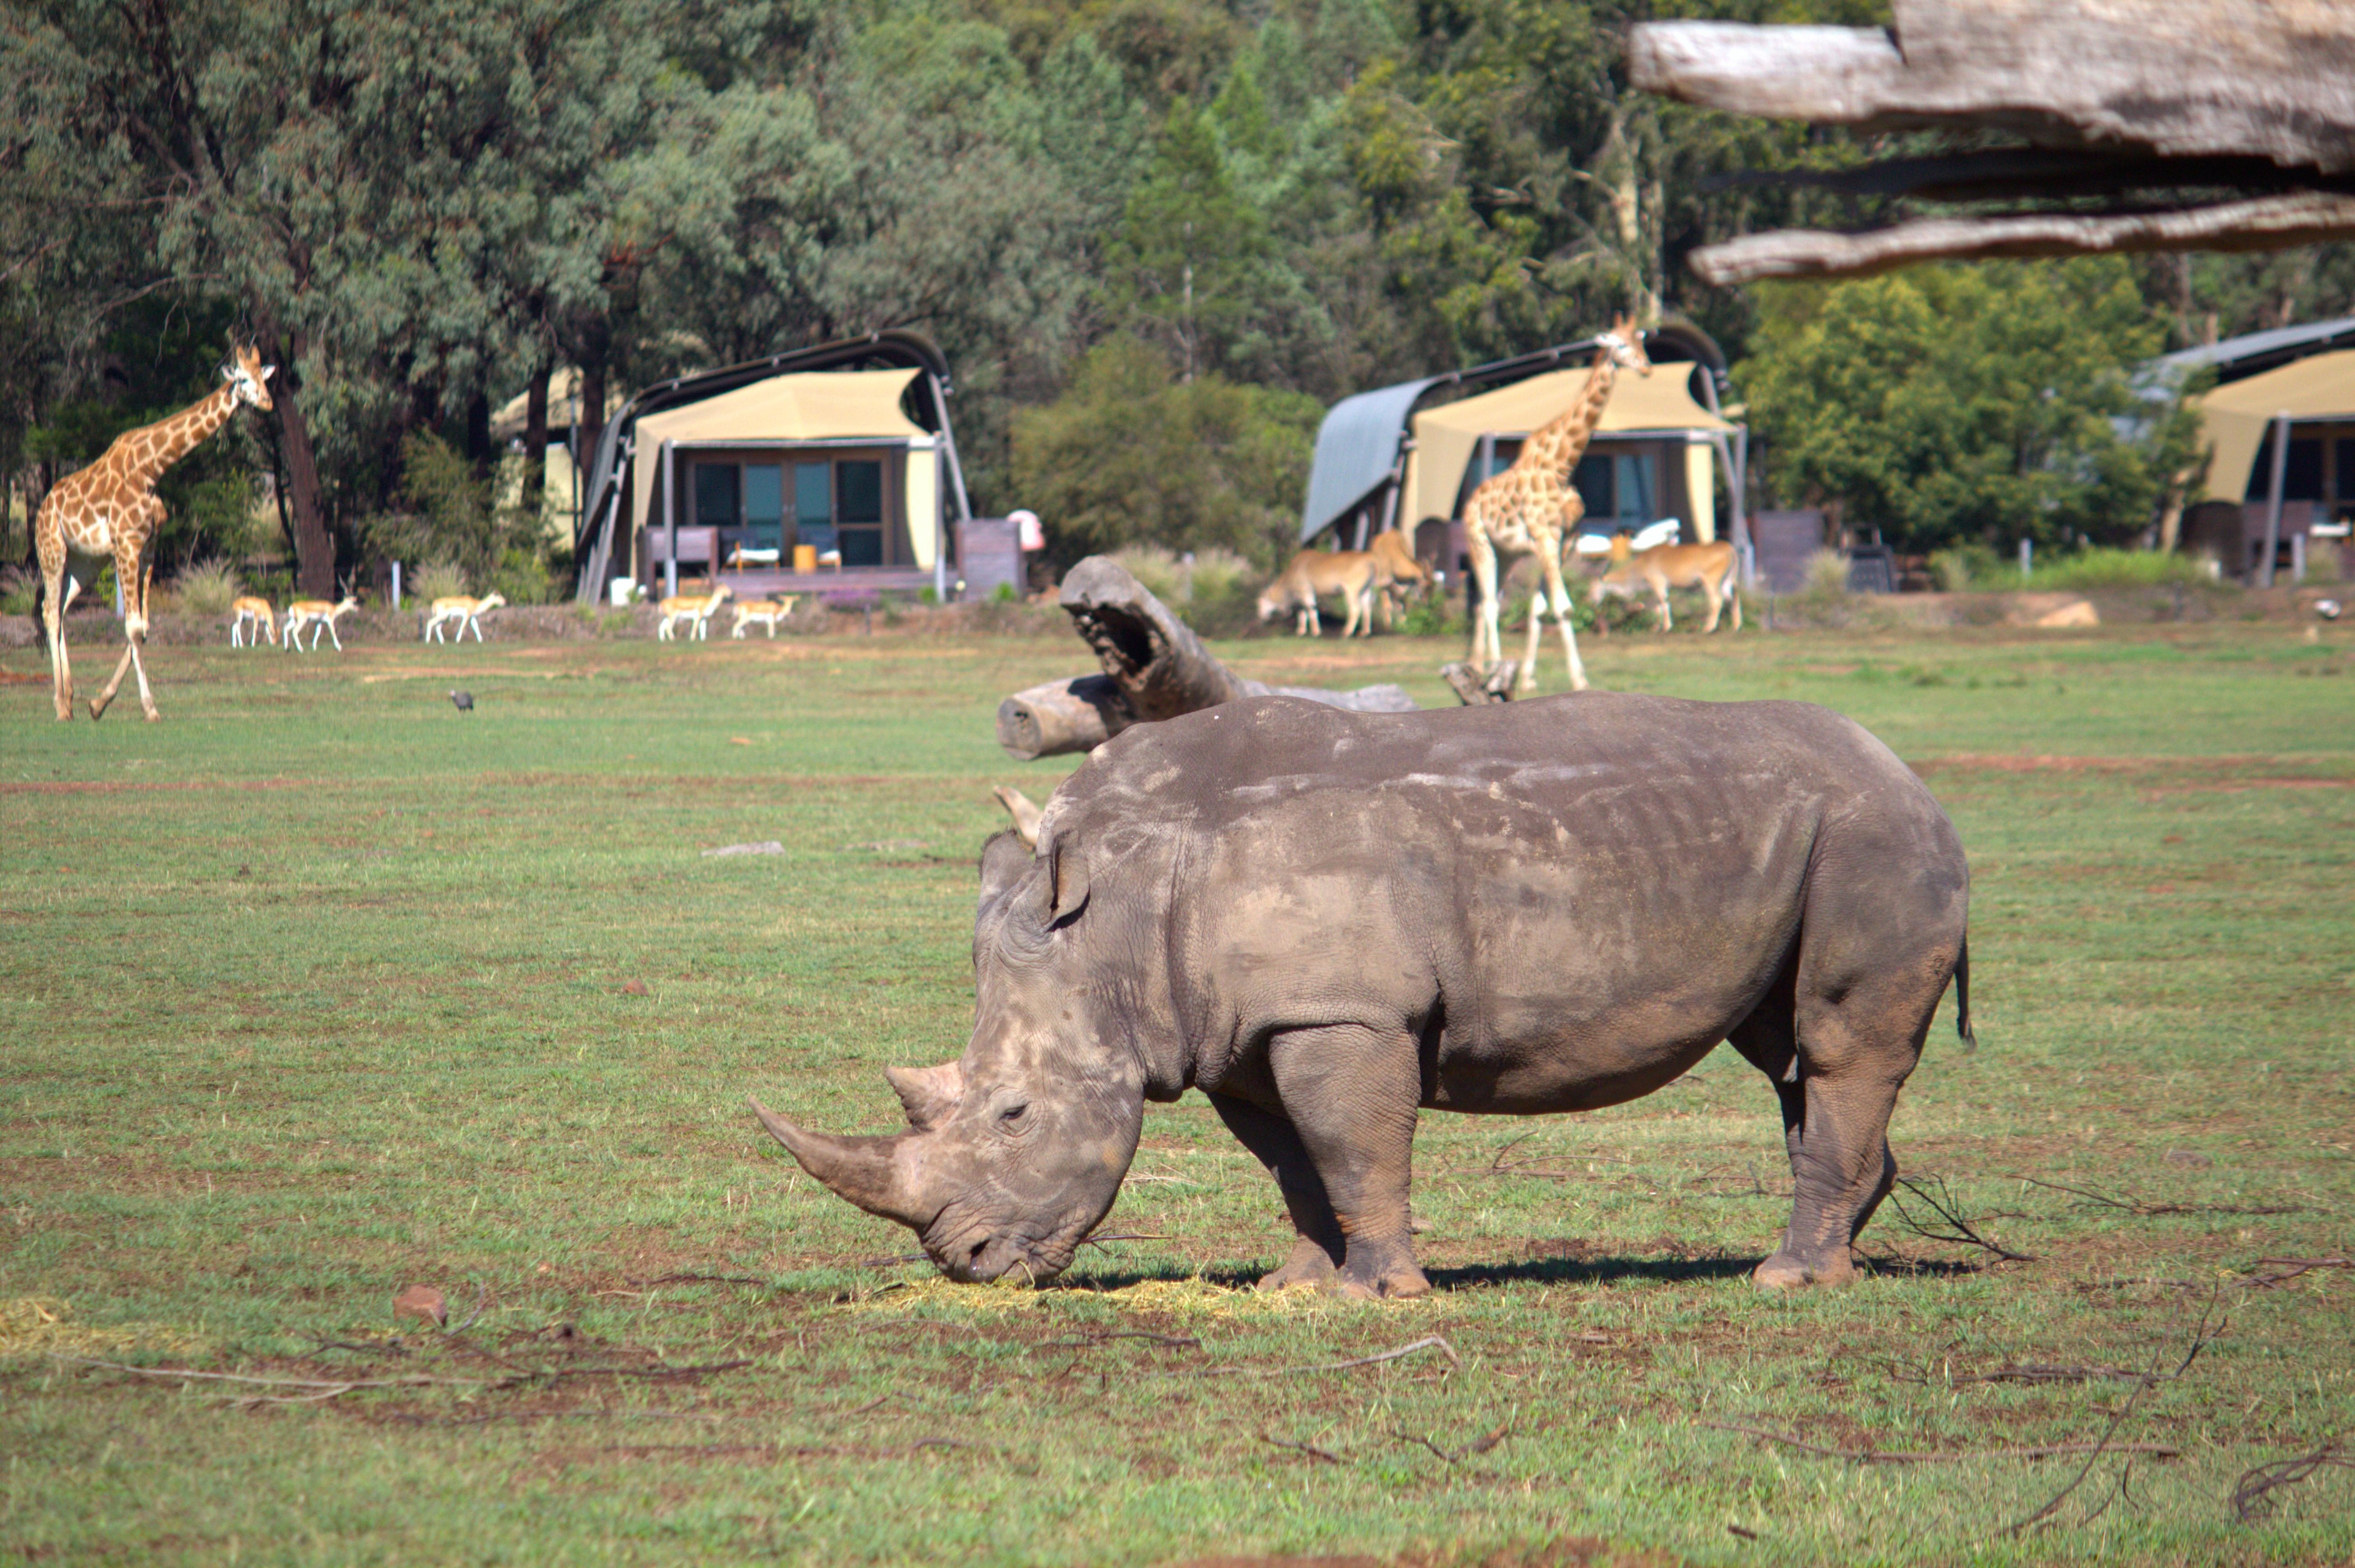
{"type": "Point", "coordinates": [825, 405]}
{"type": "Point", "coordinates": [563, 405]}
{"type": "Point", "coordinates": [1444, 437]}
{"type": "Point", "coordinates": [2233, 417]}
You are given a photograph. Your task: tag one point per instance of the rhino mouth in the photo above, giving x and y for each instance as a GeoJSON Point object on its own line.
{"type": "Point", "coordinates": [973, 1254]}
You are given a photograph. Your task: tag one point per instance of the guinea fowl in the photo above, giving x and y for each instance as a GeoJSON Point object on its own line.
{"type": "Point", "coordinates": [463, 701]}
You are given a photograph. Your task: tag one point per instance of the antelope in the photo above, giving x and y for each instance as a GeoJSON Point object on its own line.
{"type": "Point", "coordinates": [767, 611]}
{"type": "Point", "coordinates": [257, 610]}
{"type": "Point", "coordinates": [1353, 574]}
{"type": "Point", "coordinates": [464, 610]}
{"type": "Point", "coordinates": [320, 616]}
{"type": "Point", "coordinates": [697, 608]}
{"type": "Point", "coordinates": [1403, 575]}
{"type": "Point", "coordinates": [1707, 567]}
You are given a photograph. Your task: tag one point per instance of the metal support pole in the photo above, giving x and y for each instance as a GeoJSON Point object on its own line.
{"type": "Point", "coordinates": [2274, 498]}
{"type": "Point", "coordinates": [2027, 558]}
{"type": "Point", "coordinates": [396, 588]}
{"type": "Point", "coordinates": [670, 518]}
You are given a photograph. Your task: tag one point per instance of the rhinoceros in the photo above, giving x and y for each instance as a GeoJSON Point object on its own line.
{"type": "Point", "coordinates": [1328, 922]}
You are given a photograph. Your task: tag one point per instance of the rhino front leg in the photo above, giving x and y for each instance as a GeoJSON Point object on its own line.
{"type": "Point", "coordinates": [1316, 1254]}
{"type": "Point", "coordinates": [1351, 1094]}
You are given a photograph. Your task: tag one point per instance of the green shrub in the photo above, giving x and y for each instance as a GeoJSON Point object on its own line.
{"type": "Point", "coordinates": [522, 577]}
{"type": "Point", "coordinates": [2116, 569]}
{"type": "Point", "coordinates": [1159, 570]}
{"type": "Point", "coordinates": [1005, 594]}
{"type": "Point", "coordinates": [207, 588]}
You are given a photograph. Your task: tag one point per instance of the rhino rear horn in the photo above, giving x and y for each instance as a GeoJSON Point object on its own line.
{"type": "Point", "coordinates": [930, 1093]}
{"type": "Point", "coordinates": [1024, 811]}
{"type": "Point", "coordinates": [866, 1171]}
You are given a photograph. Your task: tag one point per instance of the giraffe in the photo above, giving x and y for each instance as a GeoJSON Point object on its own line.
{"type": "Point", "coordinates": [1531, 507]}
{"type": "Point", "coordinates": [109, 509]}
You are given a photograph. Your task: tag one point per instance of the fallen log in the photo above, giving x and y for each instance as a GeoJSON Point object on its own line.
{"type": "Point", "coordinates": [1154, 667]}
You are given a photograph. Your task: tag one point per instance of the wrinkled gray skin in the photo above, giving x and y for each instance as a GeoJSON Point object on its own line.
{"type": "Point", "coordinates": [1330, 921]}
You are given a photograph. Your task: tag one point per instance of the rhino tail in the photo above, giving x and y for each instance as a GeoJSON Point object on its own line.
{"type": "Point", "coordinates": [1963, 998]}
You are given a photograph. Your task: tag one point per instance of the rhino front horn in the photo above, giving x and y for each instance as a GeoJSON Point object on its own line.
{"type": "Point", "coordinates": [865, 1170]}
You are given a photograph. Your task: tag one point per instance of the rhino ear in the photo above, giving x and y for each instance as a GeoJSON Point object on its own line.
{"type": "Point", "coordinates": [929, 1093]}
{"type": "Point", "coordinates": [1065, 885]}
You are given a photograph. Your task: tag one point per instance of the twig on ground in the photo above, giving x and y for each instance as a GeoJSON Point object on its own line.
{"type": "Point", "coordinates": [703, 1279]}
{"type": "Point", "coordinates": [1947, 1208]}
{"type": "Point", "coordinates": [2291, 1268]}
{"type": "Point", "coordinates": [2252, 1497]}
{"type": "Point", "coordinates": [2202, 1338]}
{"type": "Point", "coordinates": [1174, 1342]}
{"type": "Point", "coordinates": [2144, 1210]}
{"type": "Point", "coordinates": [1310, 1449]}
{"type": "Point", "coordinates": [894, 1260]}
{"type": "Point", "coordinates": [1430, 1342]}
{"type": "Point", "coordinates": [1922, 1456]}
{"type": "Point", "coordinates": [1127, 1236]}
{"type": "Point", "coordinates": [1480, 1444]}
{"type": "Point", "coordinates": [482, 1295]}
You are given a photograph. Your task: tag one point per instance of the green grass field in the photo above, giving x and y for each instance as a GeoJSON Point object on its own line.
{"type": "Point", "coordinates": [318, 989]}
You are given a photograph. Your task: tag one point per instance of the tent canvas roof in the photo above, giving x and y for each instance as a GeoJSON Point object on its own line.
{"type": "Point", "coordinates": [818, 405]}
{"type": "Point", "coordinates": [2235, 416]}
{"type": "Point", "coordinates": [1444, 437]}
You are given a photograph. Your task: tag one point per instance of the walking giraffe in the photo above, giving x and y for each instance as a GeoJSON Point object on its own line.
{"type": "Point", "coordinates": [1531, 507]}
{"type": "Point", "coordinates": [109, 510]}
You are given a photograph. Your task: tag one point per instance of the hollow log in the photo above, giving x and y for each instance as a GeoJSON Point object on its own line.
{"type": "Point", "coordinates": [1154, 667]}
{"type": "Point", "coordinates": [1078, 713]}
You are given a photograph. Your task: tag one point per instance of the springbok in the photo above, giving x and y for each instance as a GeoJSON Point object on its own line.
{"type": "Point", "coordinates": [767, 613]}
{"type": "Point", "coordinates": [258, 612]}
{"type": "Point", "coordinates": [696, 608]}
{"type": "Point", "coordinates": [464, 610]}
{"type": "Point", "coordinates": [320, 616]}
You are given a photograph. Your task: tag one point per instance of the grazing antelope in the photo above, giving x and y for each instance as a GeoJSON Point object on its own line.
{"type": "Point", "coordinates": [696, 608]}
{"type": "Point", "coordinates": [464, 610]}
{"type": "Point", "coordinates": [1351, 573]}
{"type": "Point", "coordinates": [263, 618]}
{"type": "Point", "coordinates": [320, 616]}
{"type": "Point", "coordinates": [766, 612]}
{"type": "Point", "coordinates": [1404, 578]}
{"type": "Point", "coordinates": [1707, 567]}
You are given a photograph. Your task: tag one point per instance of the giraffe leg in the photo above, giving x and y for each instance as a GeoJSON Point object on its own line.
{"type": "Point", "coordinates": [134, 623]}
{"type": "Point", "coordinates": [1487, 641]}
{"type": "Point", "coordinates": [53, 599]}
{"type": "Point", "coordinates": [1549, 557]}
{"type": "Point", "coordinates": [138, 660]}
{"type": "Point", "coordinates": [98, 704]}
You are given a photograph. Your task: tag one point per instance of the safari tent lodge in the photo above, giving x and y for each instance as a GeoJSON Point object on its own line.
{"type": "Point", "coordinates": [831, 469]}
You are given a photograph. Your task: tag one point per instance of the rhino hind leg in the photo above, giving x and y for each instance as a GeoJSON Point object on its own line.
{"type": "Point", "coordinates": [1837, 1065]}
{"type": "Point", "coordinates": [1316, 1254]}
{"type": "Point", "coordinates": [1351, 1094]}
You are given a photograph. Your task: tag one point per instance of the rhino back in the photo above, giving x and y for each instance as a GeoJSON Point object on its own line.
{"type": "Point", "coordinates": [1567, 900]}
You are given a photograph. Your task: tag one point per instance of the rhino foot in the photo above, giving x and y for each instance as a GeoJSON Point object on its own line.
{"type": "Point", "coordinates": [1783, 1272]}
{"type": "Point", "coordinates": [1309, 1264]}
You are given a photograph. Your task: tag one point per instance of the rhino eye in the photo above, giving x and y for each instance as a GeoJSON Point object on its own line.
{"type": "Point", "coordinates": [1012, 1114]}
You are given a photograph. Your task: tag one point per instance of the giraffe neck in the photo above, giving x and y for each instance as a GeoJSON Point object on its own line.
{"type": "Point", "coordinates": [1557, 448]}
{"type": "Point", "coordinates": [156, 447]}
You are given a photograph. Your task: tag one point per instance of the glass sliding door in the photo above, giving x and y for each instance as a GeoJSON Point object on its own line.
{"type": "Point", "coordinates": [858, 512]}
{"type": "Point", "coordinates": [813, 506]}
{"type": "Point", "coordinates": [764, 506]}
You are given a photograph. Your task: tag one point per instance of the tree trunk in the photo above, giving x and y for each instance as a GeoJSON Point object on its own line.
{"type": "Point", "coordinates": [591, 429]}
{"type": "Point", "coordinates": [1152, 662]}
{"type": "Point", "coordinates": [314, 552]}
{"type": "Point", "coordinates": [535, 447]}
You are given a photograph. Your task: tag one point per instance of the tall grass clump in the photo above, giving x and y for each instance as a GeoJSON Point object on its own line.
{"type": "Point", "coordinates": [2100, 568]}
{"type": "Point", "coordinates": [1827, 576]}
{"type": "Point", "coordinates": [207, 588]}
{"type": "Point", "coordinates": [437, 580]}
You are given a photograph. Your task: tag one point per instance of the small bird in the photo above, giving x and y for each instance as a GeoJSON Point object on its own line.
{"type": "Point", "coordinates": [463, 701]}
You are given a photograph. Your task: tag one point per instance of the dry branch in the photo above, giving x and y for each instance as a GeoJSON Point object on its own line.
{"type": "Point", "coordinates": [1430, 1342]}
{"type": "Point", "coordinates": [1308, 1448]}
{"type": "Point", "coordinates": [1947, 1208]}
{"type": "Point", "coordinates": [2252, 1497]}
{"type": "Point", "coordinates": [1945, 1457]}
{"type": "Point", "coordinates": [2143, 1210]}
